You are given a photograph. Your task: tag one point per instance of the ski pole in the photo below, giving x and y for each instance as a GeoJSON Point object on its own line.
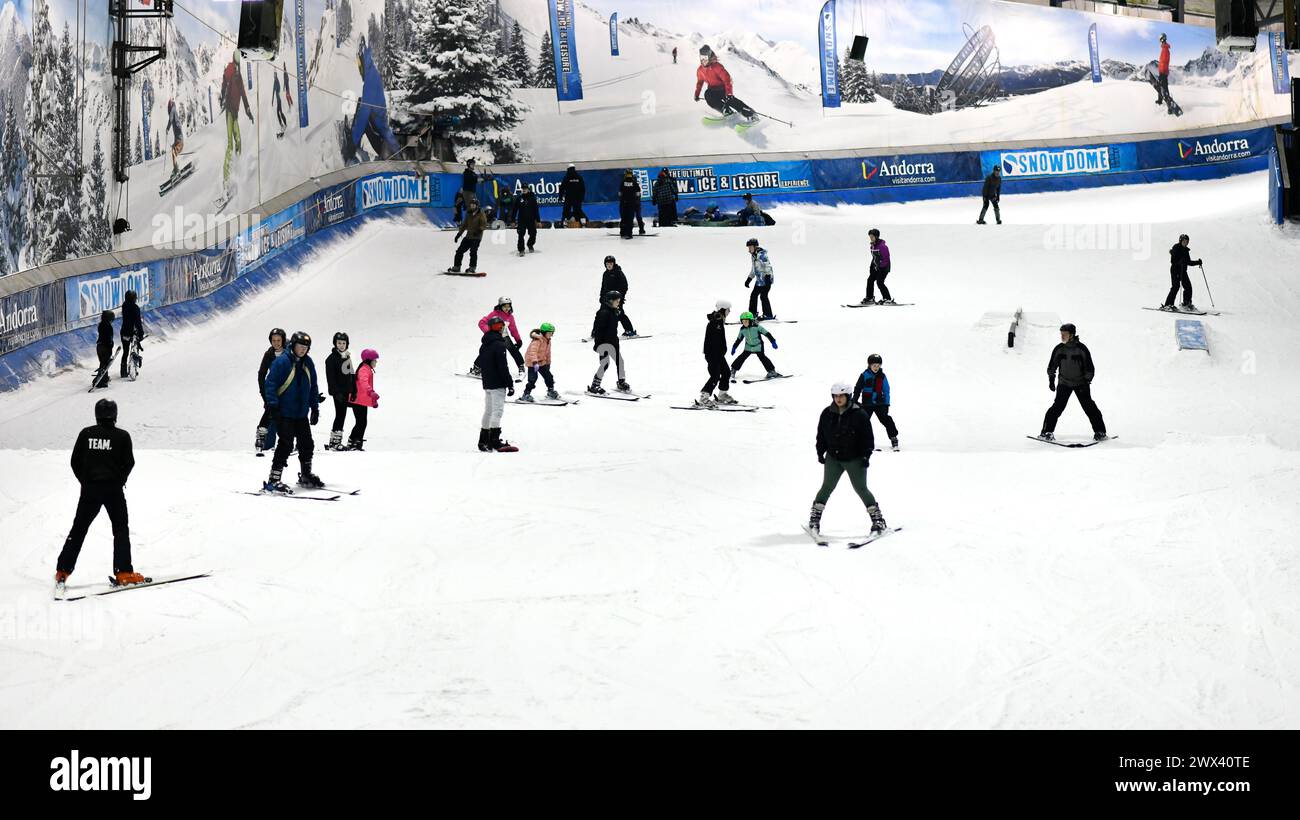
{"type": "Point", "coordinates": [770, 117]}
{"type": "Point", "coordinates": [1207, 286]}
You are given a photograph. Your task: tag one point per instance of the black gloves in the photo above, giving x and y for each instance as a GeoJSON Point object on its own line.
{"type": "Point", "coordinates": [821, 458]}
{"type": "Point", "coordinates": [315, 416]}
{"type": "Point", "coordinates": [510, 391]}
{"type": "Point", "coordinates": [1051, 383]}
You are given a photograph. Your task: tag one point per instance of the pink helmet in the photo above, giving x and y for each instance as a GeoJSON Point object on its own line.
{"type": "Point", "coordinates": [369, 355]}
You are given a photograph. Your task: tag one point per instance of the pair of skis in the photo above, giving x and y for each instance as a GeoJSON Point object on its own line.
{"type": "Point", "coordinates": [617, 395]}
{"type": "Point", "coordinates": [61, 591]}
{"type": "Point", "coordinates": [1185, 312]}
{"type": "Point", "coordinates": [822, 541]}
{"type": "Point", "coordinates": [880, 304]}
{"type": "Point", "coordinates": [325, 493]}
{"type": "Point", "coordinates": [587, 339]}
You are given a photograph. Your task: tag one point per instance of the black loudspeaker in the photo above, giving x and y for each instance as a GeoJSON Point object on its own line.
{"type": "Point", "coordinates": [859, 50]}
{"type": "Point", "coordinates": [259, 28]}
{"type": "Point", "coordinates": [1234, 23]}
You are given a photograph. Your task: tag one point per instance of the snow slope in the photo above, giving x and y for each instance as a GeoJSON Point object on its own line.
{"type": "Point", "coordinates": [641, 566]}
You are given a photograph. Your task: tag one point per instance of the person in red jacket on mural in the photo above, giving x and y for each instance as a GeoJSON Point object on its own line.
{"type": "Point", "coordinates": [718, 92]}
{"type": "Point", "coordinates": [232, 94]}
{"type": "Point", "coordinates": [1163, 68]}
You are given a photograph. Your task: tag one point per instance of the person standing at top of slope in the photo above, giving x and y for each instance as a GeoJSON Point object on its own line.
{"type": "Point", "coordinates": [525, 214]}
{"type": "Point", "coordinates": [232, 94]}
{"type": "Point", "coordinates": [572, 192]}
{"type": "Point", "coordinates": [718, 91]}
{"type": "Point", "coordinates": [614, 279]}
{"type": "Point", "coordinates": [1074, 362]}
{"type": "Point", "coordinates": [674, 55]}
{"type": "Point", "coordinates": [1180, 259]}
{"type": "Point", "coordinates": [763, 277]}
{"type": "Point", "coordinates": [629, 204]}
{"type": "Point", "coordinates": [992, 195]}
{"type": "Point", "coordinates": [371, 117]}
{"type": "Point", "coordinates": [880, 267]}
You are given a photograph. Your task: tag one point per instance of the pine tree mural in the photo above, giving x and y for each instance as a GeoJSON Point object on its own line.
{"type": "Point", "coordinates": [13, 196]}
{"type": "Point", "coordinates": [545, 74]}
{"type": "Point", "coordinates": [521, 68]}
{"type": "Point", "coordinates": [452, 74]}
{"type": "Point", "coordinates": [97, 236]}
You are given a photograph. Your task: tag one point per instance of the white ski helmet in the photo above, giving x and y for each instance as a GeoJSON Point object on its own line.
{"type": "Point", "coordinates": [841, 387]}
{"type": "Point", "coordinates": [722, 304]}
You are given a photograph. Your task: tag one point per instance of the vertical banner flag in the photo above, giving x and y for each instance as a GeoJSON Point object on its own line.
{"type": "Point", "coordinates": [301, 63]}
{"type": "Point", "coordinates": [1094, 51]}
{"type": "Point", "coordinates": [830, 56]}
{"type": "Point", "coordinates": [613, 34]}
{"type": "Point", "coordinates": [564, 48]}
{"type": "Point", "coordinates": [1278, 60]}
{"type": "Point", "coordinates": [211, 116]}
{"type": "Point", "coordinates": [146, 93]}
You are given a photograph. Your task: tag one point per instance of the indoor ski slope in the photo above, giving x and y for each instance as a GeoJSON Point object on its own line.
{"type": "Point", "coordinates": [641, 566]}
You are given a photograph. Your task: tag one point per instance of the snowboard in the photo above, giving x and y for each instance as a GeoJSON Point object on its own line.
{"type": "Point", "coordinates": [1197, 312]}
{"type": "Point", "coordinates": [450, 272]}
{"type": "Point", "coordinates": [1073, 443]}
{"type": "Point", "coordinates": [773, 379]}
{"type": "Point", "coordinates": [175, 180]}
{"type": "Point", "coordinates": [61, 591]}
{"type": "Point", "coordinates": [896, 304]}
{"type": "Point", "coordinates": [100, 373]}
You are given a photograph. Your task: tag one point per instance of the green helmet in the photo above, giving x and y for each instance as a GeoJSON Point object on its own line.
{"type": "Point", "coordinates": [547, 327]}
{"type": "Point", "coordinates": [746, 315]}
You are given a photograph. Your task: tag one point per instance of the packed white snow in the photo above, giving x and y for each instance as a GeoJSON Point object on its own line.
{"type": "Point", "coordinates": [635, 565]}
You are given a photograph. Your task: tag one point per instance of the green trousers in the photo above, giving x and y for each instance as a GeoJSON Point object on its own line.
{"type": "Point", "coordinates": [831, 473]}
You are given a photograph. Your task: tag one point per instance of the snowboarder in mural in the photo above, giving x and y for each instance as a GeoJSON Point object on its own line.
{"type": "Point", "coordinates": [716, 82]}
{"type": "Point", "coordinates": [232, 94]}
{"type": "Point", "coordinates": [177, 138]}
{"type": "Point", "coordinates": [1157, 73]}
{"type": "Point", "coordinates": [279, 109]}
{"type": "Point", "coordinates": [371, 117]}
{"type": "Point", "coordinates": [288, 94]}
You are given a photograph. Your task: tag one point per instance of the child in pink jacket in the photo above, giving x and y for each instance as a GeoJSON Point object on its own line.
{"type": "Point", "coordinates": [365, 397]}
{"type": "Point", "coordinates": [506, 310]}
{"type": "Point", "coordinates": [538, 358]}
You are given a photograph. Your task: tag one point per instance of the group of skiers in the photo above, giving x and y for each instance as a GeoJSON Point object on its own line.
{"type": "Point", "coordinates": [132, 335]}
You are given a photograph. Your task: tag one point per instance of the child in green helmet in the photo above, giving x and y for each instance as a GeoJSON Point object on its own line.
{"type": "Point", "coordinates": [538, 360]}
{"type": "Point", "coordinates": [752, 333]}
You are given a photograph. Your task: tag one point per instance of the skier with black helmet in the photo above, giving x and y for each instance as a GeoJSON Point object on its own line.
{"type": "Point", "coordinates": [472, 228]}
{"type": "Point", "coordinates": [132, 330]}
{"type": "Point", "coordinates": [341, 381]}
{"type": "Point", "coordinates": [718, 91]}
{"type": "Point", "coordinates": [629, 204]}
{"type": "Point", "coordinates": [614, 279]}
{"type": "Point", "coordinates": [844, 445]}
{"type": "Point", "coordinates": [871, 392]}
{"type": "Point", "coordinates": [102, 461]}
{"type": "Point", "coordinates": [266, 429]}
{"type": "Point", "coordinates": [292, 396]}
{"type": "Point", "coordinates": [880, 267]}
{"type": "Point", "coordinates": [763, 277]}
{"type": "Point", "coordinates": [104, 349]}
{"type": "Point", "coordinates": [573, 190]}
{"type": "Point", "coordinates": [604, 338]}
{"type": "Point", "coordinates": [1074, 363]}
{"type": "Point", "coordinates": [715, 356]}
{"type": "Point", "coordinates": [1180, 258]}
{"type": "Point", "coordinates": [497, 384]}
{"type": "Point", "coordinates": [992, 193]}
{"type": "Point", "coordinates": [525, 214]}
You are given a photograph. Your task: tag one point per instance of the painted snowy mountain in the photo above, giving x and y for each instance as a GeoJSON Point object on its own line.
{"type": "Point", "coordinates": [786, 61]}
{"type": "Point", "coordinates": [15, 56]}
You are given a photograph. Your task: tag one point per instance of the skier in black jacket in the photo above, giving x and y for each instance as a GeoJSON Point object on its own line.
{"type": "Point", "coordinates": [844, 445]}
{"type": "Point", "coordinates": [629, 202]}
{"type": "Point", "coordinates": [572, 192]}
{"type": "Point", "coordinates": [992, 195]}
{"type": "Point", "coordinates": [614, 279]}
{"type": "Point", "coordinates": [341, 381]}
{"type": "Point", "coordinates": [102, 461]}
{"type": "Point", "coordinates": [266, 428]}
{"type": "Point", "coordinates": [715, 354]}
{"type": "Point", "coordinates": [604, 339]}
{"type": "Point", "coordinates": [664, 194]}
{"type": "Point", "coordinates": [132, 327]}
{"type": "Point", "coordinates": [468, 188]}
{"type": "Point", "coordinates": [1180, 258]}
{"type": "Point", "coordinates": [104, 348]}
{"type": "Point", "coordinates": [1074, 362]}
{"type": "Point", "coordinates": [497, 384]}
{"type": "Point", "coordinates": [526, 215]}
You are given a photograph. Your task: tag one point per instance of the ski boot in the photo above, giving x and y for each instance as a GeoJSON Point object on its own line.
{"type": "Point", "coordinates": [867, 301]}
{"type": "Point", "coordinates": [623, 386]}
{"type": "Point", "coordinates": [1168, 308]}
{"type": "Point", "coordinates": [60, 576]}
{"type": "Point", "coordinates": [308, 479]}
{"type": "Point", "coordinates": [454, 269]}
{"type": "Point", "coordinates": [273, 484]}
{"type": "Point", "coordinates": [126, 579]}
{"type": "Point", "coordinates": [596, 388]}
{"type": "Point", "coordinates": [1099, 436]}
{"type": "Point", "coordinates": [552, 395]}
{"type": "Point", "coordinates": [499, 444]}
{"type": "Point", "coordinates": [483, 435]}
{"type": "Point", "coordinates": [336, 440]}
{"type": "Point", "coordinates": [980, 222]}
{"type": "Point", "coordinates": [815, 518]}
{"type": "Point", "coordinates": [353, 444]}
{"type": "Point", "coordinates": [475, 372]}
{"type": "Point", "coordinates": [878, 524]}
{"type": "Point", "coordinates": [641, 230]}
{"type": "Point", "coordinates": [772, 374]}
{"type": "Point", "coordinates": [886, 302]}
{"type": "Point", "coordinates": [1047, 436]}
{"type": "Point", "coordinates": [706, 400]}
{"type": "Point", "coordinates": [471, 269]}
{"type": "Point", "coordinates": [725, 398]}
{"type": "Point", "coordinates": [521, 253]}
{"type": "Point", "coordinates": [260, 441]}
{"type": "Point", "coordinates": [735, 375]}
{"type": "Point", "coordinates": [1188, 306]}
{"type": "Point", "coordinates": [528, 397]}
{"type": "Point", "coordinates": [767, 317]}
{"type": "Point", "coordinates": [893, 444]}
{"type": "Point", "coordinates": [531, 249]}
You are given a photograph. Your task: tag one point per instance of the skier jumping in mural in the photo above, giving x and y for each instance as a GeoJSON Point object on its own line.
{"type": "Point", "coordinates": [232, 94]}
{"type": "Point", "coordinates": [718, 92]}
{"type": "Point", "coordinates": [371, 117]}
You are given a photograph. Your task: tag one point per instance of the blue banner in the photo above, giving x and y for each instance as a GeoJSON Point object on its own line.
{"type": "Point", "coordinates": [829, 56]}
{"type": "Point", "coordinates": [31, 315]}
{"type": "Point", "coordinates": [1204, 150]}
{"type": "Point", "coordinates": [613, 34]}
{"type": "Point", "coordinates": [400, 190]}
{"type": "Point", "coordinates": [1054, 162]}
{"type": "Point", "coordinates": [1277, 58]}
{"type": "Point", "coordinates": [90, 294]}
{"type": "Point", "coordinates": [329, 207]}
{"type": "Point", "coordinates": [732, 179]}
{"type": "Point", "coordinates": [300, 36]}
{"type": "Point", "coordinates": [564, 51]}
{"type": "Point", "coordinates": [1094, 51]}
{"type": "Point", "coordinates": [198, 274]}
{"type": "Point", "coordinates": [896, 170]}
{"type": "Point", "coordinates": [271, 237]}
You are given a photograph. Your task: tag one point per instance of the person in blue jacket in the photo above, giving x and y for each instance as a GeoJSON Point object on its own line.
{"type": "Point", "coordinates": [761, 274]}
{"type": "Point", "coordinates": [371, 119]}
{"type": "Point", "coordinates": [292, 397]}
{"type": "Point", "coordinates": [872, 392]}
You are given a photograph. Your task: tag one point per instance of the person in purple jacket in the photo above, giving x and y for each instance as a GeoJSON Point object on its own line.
{"type": "Point", "coordinates": [879, 270]}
